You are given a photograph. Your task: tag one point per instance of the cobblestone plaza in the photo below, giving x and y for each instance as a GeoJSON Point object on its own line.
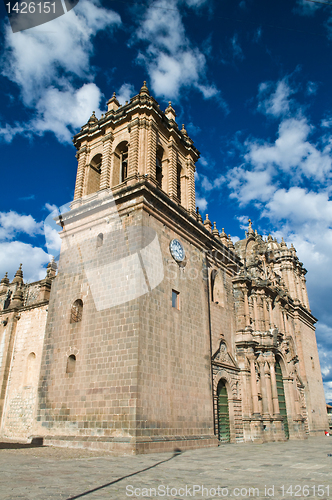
{"type": "Point", "coordinates": [291, 469]}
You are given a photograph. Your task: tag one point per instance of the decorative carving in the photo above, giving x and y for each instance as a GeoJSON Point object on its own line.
{"type": "Point", "coordinates": [223, 356]}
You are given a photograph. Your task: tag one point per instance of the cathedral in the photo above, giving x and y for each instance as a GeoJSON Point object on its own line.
{"type": "Point", "coordinates": [153, 331]}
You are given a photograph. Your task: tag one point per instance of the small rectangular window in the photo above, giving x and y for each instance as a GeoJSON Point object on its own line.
{"type": "Point", "coordinates": [175, 299]}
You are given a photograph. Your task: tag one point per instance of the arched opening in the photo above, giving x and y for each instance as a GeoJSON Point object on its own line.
{"type": "Point", "coordinates": [281, 398]}
{"type": "Point", "coordinates": [223, 412]}
{"type": "Point", "coordinates": [8, 299]}
{"type": "Point", "coordinates": [94, 172]}
{"type": "Point", "coordinates": [100, 239]}
{"type": "Point", "coordinates": [159, 167]}
{"type": "Point", "coordinates": [124, 165]}
{"type": "Point", "coordinates": [71, 362]}
{"type": "Point", "coordinates": [76, 311]}
{"type": "Point", "coordinates": [30, 366]}
{"type": "Point", "coordinates": [120, 167]}
{"type": "Point", "coordinates": [178, 182]}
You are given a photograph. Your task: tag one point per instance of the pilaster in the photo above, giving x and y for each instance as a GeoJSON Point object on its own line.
{"type": "Point", "coordinates": [81, 156]}
{"type": "Point", "coordinates": [105, 180]}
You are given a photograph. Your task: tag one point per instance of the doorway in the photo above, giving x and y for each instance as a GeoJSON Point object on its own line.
{"type": "Point", "coordinates": [223, 413]}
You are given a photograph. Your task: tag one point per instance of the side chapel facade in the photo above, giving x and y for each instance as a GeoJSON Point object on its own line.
{"type": "Point", "coordinates": [156, 332]}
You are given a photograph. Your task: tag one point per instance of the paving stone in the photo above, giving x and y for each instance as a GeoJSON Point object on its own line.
{"type": "Point", "coordinates": [63, 474]}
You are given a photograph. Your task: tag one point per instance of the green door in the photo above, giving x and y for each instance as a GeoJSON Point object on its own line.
{"type": "Point", "coordinates": [223, 413]}
{"type": "Point", "coordinates": [281, 398]}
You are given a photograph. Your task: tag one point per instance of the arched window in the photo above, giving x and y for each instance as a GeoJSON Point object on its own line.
{"type": "Point", "coordinates": [100, 239]}
{"type": "Point", "coordinates": [159, 168]}
{"type": "Point", "coordinates": [71, 362]}
{"type": "Point", "coordinates": [29, 372]}
{"type": "Point", "coordinates": [76, 311]}
{"type": "Point", "coordinates": [94, 171]}
{"type": "Point", "coordinates": [178, 182]}
{"type": "Point", "coordinates": [120, 171]}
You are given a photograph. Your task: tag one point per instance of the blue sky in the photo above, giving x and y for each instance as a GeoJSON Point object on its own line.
{"type": "Point", "coordinates": [251, 80]}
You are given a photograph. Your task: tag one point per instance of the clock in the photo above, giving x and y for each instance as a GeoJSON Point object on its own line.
{"type": "Point", "coordinates": [177, 250]}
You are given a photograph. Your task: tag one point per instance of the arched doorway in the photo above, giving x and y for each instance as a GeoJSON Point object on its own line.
{"type": "Point", "coordinates": [223, 413]}
{"type": "Point", "coordinates": [281, 398]}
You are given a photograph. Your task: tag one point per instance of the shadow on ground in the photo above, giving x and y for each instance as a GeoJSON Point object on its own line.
{"type": "Point", "coordinates": [35, 443]}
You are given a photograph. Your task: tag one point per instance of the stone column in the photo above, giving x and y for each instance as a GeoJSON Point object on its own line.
{"type": "Point", "coordinates": [292, 283]}
{"type": "Point", "coordinates": [254, 393]}
{"type": "Point", "coordinates": [269, 302]}
{"type": "Point", "coordinates": [105, 176]}
{"type": "Point", "coordinates": [260, 310]}
{"type": "Point", "coordinates": [299, 286]}
{"type": "Point", "coordinates": [297, 400]}
{"type": "Point", "coordinates": [152, 150]}
{"type": "Point", "coordinates": [246, 307]}
{"type": "Point", "coordinates": [133, 150]}
{"type": "Point", "coordinates": [81, 156]}
{"type": "Point", "coordinates": [285, 321]}
{"type": "Point", "coordinates": [261, 364]}
{"type": "Point", "coordinates": [172, 170]}
{"type": "Point", "coordinates": [278, 316]}
{"type": "Point", "coordinates": [304, 292]}
{"type": "Point", "coordinates": [274, 389]}
{"type": "Point", "coordinates": [256, 316]}
{"type": "Point", "coordinates": [268, 388]}
{"type": "Point", "coordinates": [265, 314]}
{"type": "Point", "coordinates": [191, 188]}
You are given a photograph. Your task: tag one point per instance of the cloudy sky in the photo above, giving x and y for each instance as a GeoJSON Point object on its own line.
{"type": "Point", "coordinates": [251, 80]}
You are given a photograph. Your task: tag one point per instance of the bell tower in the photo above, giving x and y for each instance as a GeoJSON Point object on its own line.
{"type": "Point", "coordinates": [128, 321]}
{"type": "Point", "coordinates": [132, 143]}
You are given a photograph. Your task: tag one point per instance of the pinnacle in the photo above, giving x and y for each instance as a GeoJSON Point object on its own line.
{"type": "Point", "coordinates": [144, 89]}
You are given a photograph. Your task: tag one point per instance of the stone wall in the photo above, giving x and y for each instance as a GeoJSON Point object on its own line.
{"type": "Point", "coordinates": [21, 395]}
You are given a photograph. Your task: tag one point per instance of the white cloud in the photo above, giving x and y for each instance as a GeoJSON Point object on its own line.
{"type": "Point", "coordinates": [34, 259]}
{"type": "Point", "coordinates": [8, 132]}
{"type": "Point", "coordinates": [47, 66]}
{"type": "Point", "coordinates": [61, 111]}
{"type": "Point", "coordinates": [292, 152]}
{"type": "Point", "coordinates": [171, 61]}
{"type": "Point", "coordinates": [204, 161]}
{"type": "Point", "coordinates": [201, 203]}
{"type": "Point", "coordinates": [299, 206]}
{"type": "Point", "coordinates": [12, 253]}
{"type": "Point", "coordinates": [243, 219]}
{"type": "Point", "coordinates": [53, 240]}
{"type": "Point", "coordinates": [274, 98]}
{"type": "Point", "coordinates": [12, 223]}
{"type": "Point", "coordinates": [248, 185]}
{"type": "Point", "coordinates": [125, 92]}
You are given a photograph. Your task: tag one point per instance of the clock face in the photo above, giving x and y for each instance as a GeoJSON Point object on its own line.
{"type": "Point", "coordinates": [177, 250]}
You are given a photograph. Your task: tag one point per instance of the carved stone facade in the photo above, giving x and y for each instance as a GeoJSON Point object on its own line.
{"type": "Point", "coordinates": [134, 347]}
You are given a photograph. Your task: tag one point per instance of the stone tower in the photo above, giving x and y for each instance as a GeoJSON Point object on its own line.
{"type": "Point", "coordinates": [127, 344]}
